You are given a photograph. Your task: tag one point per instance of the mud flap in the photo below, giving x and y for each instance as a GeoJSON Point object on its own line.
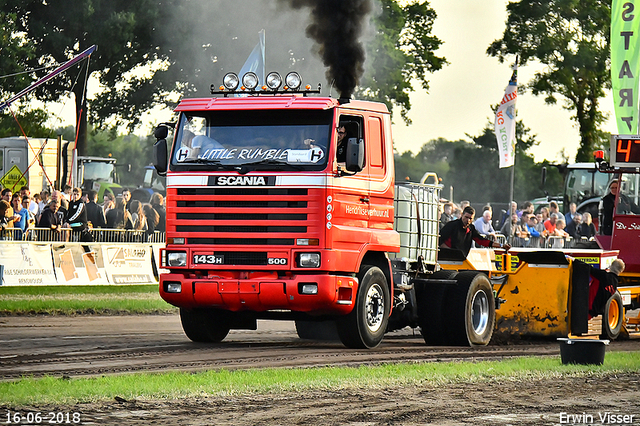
{"type": "Point", "coordinates": [579, 306]}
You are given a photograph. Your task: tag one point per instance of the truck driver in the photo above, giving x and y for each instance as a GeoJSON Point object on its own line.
{"type": "Point", "coordinates": [342, 144]}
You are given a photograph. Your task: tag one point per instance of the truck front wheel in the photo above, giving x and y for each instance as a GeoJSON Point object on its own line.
{"type": "Point", "coordinates": [472, 310]}
{"type": "Point", "coordinates": [205, 325]}
{"type": "Point", "coordinates": [365, 326]}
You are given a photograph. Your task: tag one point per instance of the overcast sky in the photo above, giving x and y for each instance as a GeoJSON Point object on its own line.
{"type": "Point", "coordinates": [461, 94]}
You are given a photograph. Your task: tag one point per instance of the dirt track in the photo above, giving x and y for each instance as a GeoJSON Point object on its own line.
{"type": "Point", "coordinates": [77, 346]}
{"type": "Point", "coordinates": [527, 402]}
{"type": "Point", "coordinates": [97, 345]}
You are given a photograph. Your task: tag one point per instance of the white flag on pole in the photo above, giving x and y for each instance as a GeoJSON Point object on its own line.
{"type": "Point", "coordinates": [505, 124]}
{"type": "Point", "coordinates": [255, 61]}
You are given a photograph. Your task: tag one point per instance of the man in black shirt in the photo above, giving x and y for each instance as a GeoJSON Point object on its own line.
{"type": "Point", "coordinates": [607, 204]}
{"type": "Point", "coordinates": [606, 209]}
{"type": "Point", "coordinates": [51, 216]}
{"type": "Point", "coordinates": [573, 228]}
{"type": "Point", "coordinates": [458, 234]}
{"type": "Point", "coordinates": [95, 215]}
{"type": "Point", "coordinates": [76, 217]}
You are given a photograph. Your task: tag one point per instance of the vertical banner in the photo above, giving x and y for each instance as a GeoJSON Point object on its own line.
{"type": "Point", "coordinates": [505, 123]}
{"type": "Point", "coordinates": [625, 54]}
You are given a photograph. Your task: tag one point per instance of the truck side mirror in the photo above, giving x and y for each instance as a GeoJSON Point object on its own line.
{"type": "Point", "coordinates": [161, 132]}
{"type": "Point", "coordinates": [160, 149]}
{"type": "Point", "coordinates": [355, 155]}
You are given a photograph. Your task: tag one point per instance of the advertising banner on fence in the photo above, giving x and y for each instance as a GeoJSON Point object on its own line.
{"type": "Point", "coordinates": [79, 264]}
{"type": "Point", "coordinates": [128, 264]}
{"type": "Point", "coordinates": [27, 264]}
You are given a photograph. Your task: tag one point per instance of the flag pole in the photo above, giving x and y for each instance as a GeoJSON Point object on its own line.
{"type": "Point", "coordinates": [505, 127]}
{"type": "Point", "coordinates": [513, 167]}
{"type": "Point", "coordinates": [513, 173]}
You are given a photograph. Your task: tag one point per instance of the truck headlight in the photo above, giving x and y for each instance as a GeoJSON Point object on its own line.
{"type": "Point", "coordinates": [309, 260]}
{"type": "Point", "coordinates": [172, 287]}
{"type": "Point", "coordinates": [177, 259]}
{"type": "Point", "coordinates": [308, 288]}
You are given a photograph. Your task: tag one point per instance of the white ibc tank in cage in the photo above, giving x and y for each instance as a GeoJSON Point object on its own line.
{"type": "Point", "coordinates": [416, 220]}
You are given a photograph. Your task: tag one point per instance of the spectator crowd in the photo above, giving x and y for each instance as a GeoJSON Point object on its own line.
{"type": "Point", "coordinates": [71, 215]}
{"type": "Point", "coordinates": [522, 228]}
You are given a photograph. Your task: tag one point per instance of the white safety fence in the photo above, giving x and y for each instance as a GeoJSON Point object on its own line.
{"type": "Point", "coordinates": [72, 263]}
{"type": "Point", "coordinates": [551, 242]}
{"type": "Point", "coordinates": [97, 235]}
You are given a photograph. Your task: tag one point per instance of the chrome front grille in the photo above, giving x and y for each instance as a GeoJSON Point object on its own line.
{"type": "Point", "coordinates": [243, 216]}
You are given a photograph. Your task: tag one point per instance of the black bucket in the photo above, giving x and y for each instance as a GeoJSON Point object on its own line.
{"type": "Point", "coordinates": [582, 351]}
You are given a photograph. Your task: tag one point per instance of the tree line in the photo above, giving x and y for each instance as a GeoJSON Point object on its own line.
{"type": "Point", "coordinates": [183, 46]}
{"type": "Point", "coordinates": [484, 181]}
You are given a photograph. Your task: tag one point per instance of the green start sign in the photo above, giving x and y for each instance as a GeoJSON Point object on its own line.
{"type": "Point", "coordinates": [13, 179]}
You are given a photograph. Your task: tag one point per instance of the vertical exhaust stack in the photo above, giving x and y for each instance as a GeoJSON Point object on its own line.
{"type": "Point", "coordinates": [336, 28]}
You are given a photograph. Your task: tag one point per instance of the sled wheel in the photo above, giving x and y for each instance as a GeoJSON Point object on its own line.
{"type": "Point", "coordinates": [612, 317]}
{"type": "Point", "coordinates": [471, 310]}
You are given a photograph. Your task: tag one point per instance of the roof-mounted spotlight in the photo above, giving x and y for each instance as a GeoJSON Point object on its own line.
{"type": "Point", "coordinates": [274, 84]}
{"type": "Point", "coordinates": [250, 80]}
{"type": "Point", "coordinates": [293, 80]}
{"type": "Point", "coordinates": [274, 80]}
{"type": "Point", "coordinates": [231, 81]}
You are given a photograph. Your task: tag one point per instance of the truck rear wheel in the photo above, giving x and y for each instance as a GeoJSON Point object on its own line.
{"type": "Point", "coordinates": [205, 325]}
{"type": "Point", "coordinates": [471, 310]}
{"type": "Point", "coordinates": [365, 325]}
{"type": "Point", "coordinates": [613, 317]}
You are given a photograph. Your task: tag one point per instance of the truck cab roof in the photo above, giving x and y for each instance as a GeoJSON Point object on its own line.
{"type": "Point", "coordinates": [88, 159]}
{"type": "Point", "coordinates": [272, 102]}
{"type": "Point", "coordinates": [586, 166]}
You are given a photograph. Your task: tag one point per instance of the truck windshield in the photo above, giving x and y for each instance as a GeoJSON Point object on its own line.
{"type": "Point", "coordinates": [629, 198]}
{"type": "Point", "coordinates": [583, 184]}
{"type": "Point", "coordinates": [264, 139]}
{"type": "Point", "coordinates": [98, 171]}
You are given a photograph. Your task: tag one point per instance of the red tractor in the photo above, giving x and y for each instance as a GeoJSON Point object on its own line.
{"type": "Point", "coordinates": [620, 220]}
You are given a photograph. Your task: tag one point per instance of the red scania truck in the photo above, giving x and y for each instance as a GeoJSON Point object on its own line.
{"type": "Point", "coordinates": [264, 221]}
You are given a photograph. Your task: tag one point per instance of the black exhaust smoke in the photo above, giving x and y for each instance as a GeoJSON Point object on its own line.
{"type": "Point", "coordinates": [336, 28]}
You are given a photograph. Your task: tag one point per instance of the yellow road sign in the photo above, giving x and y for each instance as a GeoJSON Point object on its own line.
{"type": "Point", "coordinates": [13, 179]}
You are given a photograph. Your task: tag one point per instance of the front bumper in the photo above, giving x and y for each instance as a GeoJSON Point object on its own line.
{"type": "Point", "coordinates": [335, 294]}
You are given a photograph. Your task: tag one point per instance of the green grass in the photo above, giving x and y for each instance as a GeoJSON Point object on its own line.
{"type": "Point", "coordinates": [73, 300]}
{"type": "Point", "coordinates": [52, 390]}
